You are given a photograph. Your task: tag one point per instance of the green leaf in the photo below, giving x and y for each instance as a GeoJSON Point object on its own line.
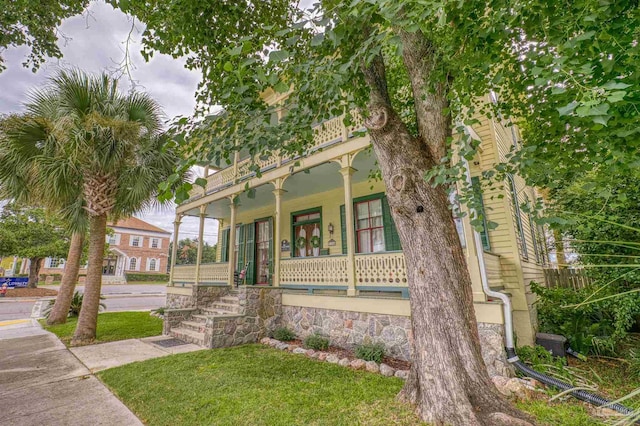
{"type": "Point", "coordinates": [567, 109]}
{"type": "Point", "coordinates": [201, 182]}
{"type": "Point", "coordinates": [281, 87]}
{"type": "Point", "coordinates": [228, 66]}
{"type": "Point", "coordinates": [278, 56]}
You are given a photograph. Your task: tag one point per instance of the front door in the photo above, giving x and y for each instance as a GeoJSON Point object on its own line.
{"type": "Point", "coordinates": [109, 265]}
{"type": "Point", "coordinates": [263, 238]}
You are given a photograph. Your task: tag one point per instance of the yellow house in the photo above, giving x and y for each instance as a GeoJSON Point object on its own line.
{"type": "Point", "coordinates": [316, 250]}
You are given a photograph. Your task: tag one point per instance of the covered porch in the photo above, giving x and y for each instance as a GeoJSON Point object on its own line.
{"type": "Point", "coordinates": [324, 230]}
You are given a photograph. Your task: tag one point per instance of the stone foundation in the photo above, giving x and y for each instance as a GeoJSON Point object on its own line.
{"type": "Point", "coordinates": [206, 295]}
{"type": "Point", "coordinates": [348, 329]}
{"type": "Point", "coordinates": [173, 318]}
{"type": "Point", "coordinates": [261, 307]}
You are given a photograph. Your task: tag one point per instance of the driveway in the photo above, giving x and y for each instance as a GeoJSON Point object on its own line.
{"type": "Point", "coordinates": [42, 382]}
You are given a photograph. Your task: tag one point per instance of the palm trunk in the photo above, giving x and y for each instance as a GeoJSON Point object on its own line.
{"type": "Point", "coordinates": [60, 311]}
{"type": "Point", "coordinates": [87, 321]}
{"type": "Point", "coordinates": [34, 271]}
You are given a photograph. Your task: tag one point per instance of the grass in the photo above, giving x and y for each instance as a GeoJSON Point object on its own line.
{"type": "Point", "coordinates": [257, 385]}
{"type": "Point", "coordinates": [112, 326]}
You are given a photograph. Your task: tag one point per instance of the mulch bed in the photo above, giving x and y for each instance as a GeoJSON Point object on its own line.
{"type": "Point", "coordinates": [345, 353]}
{"type": "Point", "coordinates": [31, 292]}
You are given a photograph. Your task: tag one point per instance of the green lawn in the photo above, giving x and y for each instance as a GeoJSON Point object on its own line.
{"type": "Point", "coordinates": [113, 326]}
{"type": "Point", "coordinates": [257, 385]}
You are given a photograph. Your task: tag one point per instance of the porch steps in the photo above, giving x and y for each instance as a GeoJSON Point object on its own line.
{"type": "Point", "coordinates": [222, 306]}
{"type": "Point", "coordinates": [187, 335]}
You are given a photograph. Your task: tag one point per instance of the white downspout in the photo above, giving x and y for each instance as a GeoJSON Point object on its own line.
{"type": "Point", "coordinates": [506, 301]}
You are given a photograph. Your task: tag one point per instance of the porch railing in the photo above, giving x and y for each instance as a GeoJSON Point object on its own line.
{"type": "Point", "coordinates": [214, 272]}
{"type": "Point", "coordinates": [209, 273]}
{"type": "Point", "coordinates": [381, 270]}
{"type": "Point", "coordinates": [325, 134]}
{"type": "Point", "coordinates": [314, 271]}
{"type": "Point", "coordinates": [184, 273]}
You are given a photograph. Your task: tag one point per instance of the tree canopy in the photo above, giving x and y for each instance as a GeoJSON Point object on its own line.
{"type": "Point", "coordinates": [35, 25]}
{"type": "Point", "coordinates": [31, 232]}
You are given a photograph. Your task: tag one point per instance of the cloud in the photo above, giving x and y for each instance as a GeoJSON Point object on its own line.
{"type": "Point", "coordinates": [95, 42]}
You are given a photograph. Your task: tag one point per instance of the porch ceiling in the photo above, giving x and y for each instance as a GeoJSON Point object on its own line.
{"type": "Point", "coordinates": [318, 179]}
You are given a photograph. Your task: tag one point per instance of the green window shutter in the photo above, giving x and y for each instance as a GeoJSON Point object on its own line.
{"type": "Point", "coordinates": [250, 260]}
{"type": "Point", "coordinates": [391, 237]}
{"type": "Point", "coordinates": [224, 254]}
{"type": "Point", "coordinates": [271, 246]}
{"type": "Point", "coordinates": [534, 238]}
{"type": "Point", "coordinates": [241, 249]}
{"type": "Point", "coordinates": [343, 229]}
{"type": "Point", "coordinates": [484, 235]}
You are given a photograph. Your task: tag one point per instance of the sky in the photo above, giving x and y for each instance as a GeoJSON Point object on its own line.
{"type": "Point", "coordinates": [95, 42]}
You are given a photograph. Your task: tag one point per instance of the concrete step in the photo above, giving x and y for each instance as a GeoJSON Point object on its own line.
{"type": "Point", "coordinates": [230, 299]}
{"type": "Point", "coordinates": [193, 325]}
{"type": "Point", "coordinates": [189, 336]}
{"type": "Point", "coordinates": [231, 307]}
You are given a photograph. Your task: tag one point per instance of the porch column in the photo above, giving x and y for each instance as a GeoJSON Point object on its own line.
{"type": "Point", "coordinates": [174, 247]}
{"type": "Point", "coordinates": [278, 183]}
{"type": "Point", "coordinates": [347, 173]}
{"type": "Point", "coordinates": [203, 215]}
{"type": "Point", "coordinates": [232, 240]}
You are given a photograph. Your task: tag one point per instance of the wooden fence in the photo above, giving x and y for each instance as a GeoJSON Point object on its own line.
{"type": "Point", "coordinates": [566, 278]}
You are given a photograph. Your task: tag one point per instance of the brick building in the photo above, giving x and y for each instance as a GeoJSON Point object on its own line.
{"type": "Point", "coordinates": [134, 246]}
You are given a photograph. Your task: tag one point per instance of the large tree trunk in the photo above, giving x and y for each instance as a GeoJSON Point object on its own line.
{"type": "Point", "coordinates": [87, 321]}
{"type": "Point", "coordinates": [60, 311]}
{"type": "Point", "coordinates": [34, 271]}
{"type": "Point", "coordinates": [449, 382]}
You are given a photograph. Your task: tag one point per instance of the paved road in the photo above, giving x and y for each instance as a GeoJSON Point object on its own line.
{"type": "Point", "coordinates": [118, 298]}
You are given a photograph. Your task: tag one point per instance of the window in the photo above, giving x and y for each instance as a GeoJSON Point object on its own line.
{"type": "Point", "coordinates": [518, 218]}
{"type": "Point", "coordinates": [373, 224]}
{"type": "Point", "coordinates": [152, 264]}
{"type": "Point", "coordinates": [111, 239]}
{"type": "Point", "coordinates": [133, 262]}
{"type": "Point", "coordinates": [135, 241]}
{"type": "Point", "coordinates": [154, 243]}
{"type": "Point", "coordinates": [54, 262]}
{"type": "Point", "coordinates": [369, 226]}
{"type": "Point", "coordinates": [455, 207]}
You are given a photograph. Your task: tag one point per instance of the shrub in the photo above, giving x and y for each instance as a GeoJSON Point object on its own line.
{"type": "Point", "coordinates": [159, 311]}
{"type": "Point", "coordinates": [74, 308]}
{"type": "Point", "coordinates": [594, 328]}
{"type": "Point", "coordinates": [159, 278]}
{"type": "Point", "coordinates": [316, 342]}
{"type": "Point", "coordinates": [284, 334]}
{"type": "Point", "coordinates": [370, 352]}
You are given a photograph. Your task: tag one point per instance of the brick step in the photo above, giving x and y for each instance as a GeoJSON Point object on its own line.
{"type": "Point", "coordinates": [188, 336]}
{"type": "Point", "coordinates": [193, 325]}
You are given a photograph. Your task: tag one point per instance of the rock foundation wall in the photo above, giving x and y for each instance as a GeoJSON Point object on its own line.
{"type": "Point", "coordinates": [348, 329]}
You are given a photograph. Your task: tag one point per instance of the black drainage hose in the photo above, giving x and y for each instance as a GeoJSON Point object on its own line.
{"type": "Point", "coordinates": [582, 395]}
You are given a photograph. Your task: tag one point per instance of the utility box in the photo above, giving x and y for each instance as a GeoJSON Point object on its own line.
{"type": "Point", "coordinates": [556, 344]}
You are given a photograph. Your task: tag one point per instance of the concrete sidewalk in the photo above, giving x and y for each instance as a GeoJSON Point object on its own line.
{"type": "Point", "coordinates": [42, 382]}
{"type": "Point", "coordinates": [113, 354]}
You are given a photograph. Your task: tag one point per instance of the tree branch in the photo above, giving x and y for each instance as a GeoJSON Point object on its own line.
{"type": "Point", "coordinates": [430, 99]}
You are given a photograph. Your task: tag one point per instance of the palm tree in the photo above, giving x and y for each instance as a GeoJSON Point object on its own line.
{"type": "Point", "coordinates": [23, 158]}
{"type": "Point", "coordinates": [103, 147]}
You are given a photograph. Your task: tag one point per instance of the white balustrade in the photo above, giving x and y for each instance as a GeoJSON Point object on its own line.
{"type": "Point", "coordinates": [214, 272]}
{"type": "Point", "coordinates": [326, 133]}
{"type": "Point", "coordinates": [381, 270]}
{"type": "Point", "coordinates": [325, 270]}
{"type": "Point", "coordinates": [184, 273]}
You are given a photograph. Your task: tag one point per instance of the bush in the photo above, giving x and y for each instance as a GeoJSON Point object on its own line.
{"type": "Point", "coordinates": [74, 308]}
{"type": "Point", "coordinates": [370, 352]}
{"type": "Point", "coordinates": [283, 334]}
{"type": "Point", "coordinates": [156, 278]}
{"type": "Point", "coordinates": [316, 342]}
{"type": "Point", "coordinates": [594, 328]}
